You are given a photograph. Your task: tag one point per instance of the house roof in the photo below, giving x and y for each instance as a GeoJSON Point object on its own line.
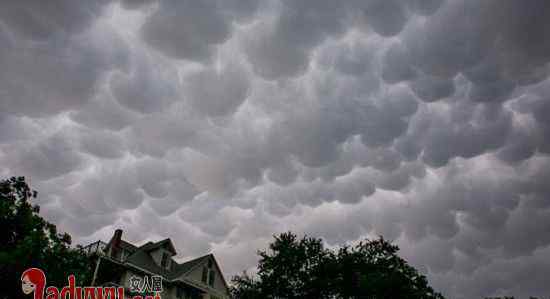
{"type": "Point", "coordinates": [185, 267]}
{"type": "Point", "coordinates": [127, 246]}
{"type": "Point", "coordinates": [154, 245]}
{"type": "Point", "coordinates": [140, 258]}
{"type": "Point", "coordinates": [123, 245]}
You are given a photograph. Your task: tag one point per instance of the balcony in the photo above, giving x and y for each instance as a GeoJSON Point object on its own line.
{"type": "Point", "coordinates": [96, 248]}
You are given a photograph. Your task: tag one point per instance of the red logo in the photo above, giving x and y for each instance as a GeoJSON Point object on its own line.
{"type": "Point", "coordinates": [34, 280]}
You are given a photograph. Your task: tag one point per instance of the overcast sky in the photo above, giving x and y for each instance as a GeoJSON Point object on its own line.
{"type": "Point", "coordinates": [221, 123]}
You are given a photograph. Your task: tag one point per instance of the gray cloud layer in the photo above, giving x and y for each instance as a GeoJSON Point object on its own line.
{"type": "Point", "coordinates": [223, 122]}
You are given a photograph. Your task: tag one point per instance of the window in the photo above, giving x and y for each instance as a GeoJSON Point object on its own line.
{"type": "Point", "coordinates": [208, 275]}
{"type": "Point", "coordinates": [164, 261]}
{"type": "Point", "coordinates": [211, 277]}
{"type": "Point", "coordinates": [180, 293]}
{"type": "Point", "coordinates": [204, 274]}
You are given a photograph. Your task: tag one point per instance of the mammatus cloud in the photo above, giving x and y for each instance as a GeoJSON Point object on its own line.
{"type": "Point", "coordinates": [225, 122]}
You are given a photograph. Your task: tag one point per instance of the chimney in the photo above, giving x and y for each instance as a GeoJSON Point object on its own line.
{"type": "Point", "coordinates": [115, 244]}
{"type": "Point", "coordinates": [117, 238]}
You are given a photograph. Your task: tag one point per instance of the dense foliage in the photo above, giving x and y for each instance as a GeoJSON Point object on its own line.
{"type": "Point", "coordinates": [304, 268]}
{"type": "Point", "coordinates": [27, 240]}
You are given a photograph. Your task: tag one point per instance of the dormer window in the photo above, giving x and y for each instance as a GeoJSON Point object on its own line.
{"type": "Point", "coordinates": [211, 277]}
{"type": "Point", "coordinates": [165, 260]}
{"type": "Point", "coordinates": [204, 274]}
{"type": "Point", "coordinates": [208, 274]}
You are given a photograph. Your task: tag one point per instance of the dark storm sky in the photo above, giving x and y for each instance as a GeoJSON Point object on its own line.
{"type": "Point", "coordinates": [220, 123]}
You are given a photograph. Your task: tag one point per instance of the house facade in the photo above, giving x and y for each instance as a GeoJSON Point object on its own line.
{"type": "Point", "coordinates": [120, 263]}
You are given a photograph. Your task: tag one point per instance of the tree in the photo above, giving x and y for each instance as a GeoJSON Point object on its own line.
{"type": "Point", "coordinates": [372, 269]}
{"type": "Point", "coordinates": [27, 240]}
{"type": "Point", "coordinates": [304, 268]}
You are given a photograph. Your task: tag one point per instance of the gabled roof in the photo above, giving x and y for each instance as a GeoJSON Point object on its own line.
{"type": "Point", "coordinates": [188, 266]}
{"type": "Point", "coordinates": [141, 259]}
{"type": "Point", "coordinates": [127, 246]}
{"type": "Point", "coordinates": [164, 243]}
{"type": "Point", "coordinates": [185, 267]}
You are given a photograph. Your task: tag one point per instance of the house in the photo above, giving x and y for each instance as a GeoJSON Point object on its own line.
{"type": "Point", "coordinates": [119, 263]}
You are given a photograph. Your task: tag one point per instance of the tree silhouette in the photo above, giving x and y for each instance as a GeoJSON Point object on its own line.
{"type": "Point", "coordinates": [304, 268]}
{"type": "Point", "coordinates": [27, 240]}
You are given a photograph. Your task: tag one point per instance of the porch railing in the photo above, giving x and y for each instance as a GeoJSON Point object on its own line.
{"type": "Point", "coordinates": [97, 247]}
